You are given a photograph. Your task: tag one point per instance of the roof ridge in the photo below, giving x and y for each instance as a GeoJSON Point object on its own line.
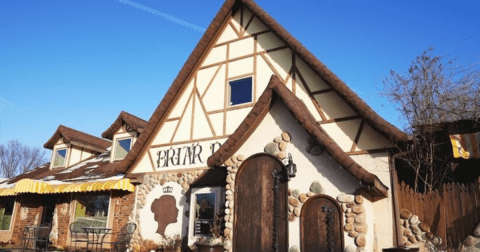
{"type": "Point", "coordinates": [134, 122]}
{"type": "Point", "coordinates": [68, 134]}
{"type": "Point", "coordinates": [342, 89]}
{"type": "Point", "coordinates": [123, 112]}
{"type": "Point", "coordinates": [81, 132]}
{"type": "Point", "coordinates": [177, 85]}
{"type": "Point", "coordinates": [378, 123]}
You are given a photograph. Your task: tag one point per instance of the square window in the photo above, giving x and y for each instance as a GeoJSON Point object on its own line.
{"type": "Point", "coordinates": [6, 212]}
{"type": "Point", "coordinates": [122, 147]}
{"type": "Point", "coordinates": [60, 157]}
{"type": "Point", "coordinates": [92, 209]}
{"type": "Point", "coordinates": [240, 91]}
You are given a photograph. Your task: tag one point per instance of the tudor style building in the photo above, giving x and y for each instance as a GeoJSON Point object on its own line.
{"type": "Point", "coordinates": [81, 184]}
{"type": "Point", "coordinates": [248, 83]}
{"type": "Point", "coordinates": [249, 102]}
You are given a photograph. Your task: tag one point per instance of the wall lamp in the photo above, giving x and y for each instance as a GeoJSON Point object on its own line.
{"type": "Point", "coordinates": [291, 167]}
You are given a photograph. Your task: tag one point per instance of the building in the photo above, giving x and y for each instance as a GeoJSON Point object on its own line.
{"type": "Point", "coordinates": [249, 103]}
{"type": "Point", "coordinates": [81, 183]}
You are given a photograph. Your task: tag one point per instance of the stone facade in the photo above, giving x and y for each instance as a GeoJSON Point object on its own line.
{"type": "Point", "coordinates": [414, 231]}
{"type": "Point", "coordinates": [355, 218]}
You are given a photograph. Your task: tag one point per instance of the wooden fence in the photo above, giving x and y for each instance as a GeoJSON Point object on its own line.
{"type": "Point", "coordinates": [451, 212]}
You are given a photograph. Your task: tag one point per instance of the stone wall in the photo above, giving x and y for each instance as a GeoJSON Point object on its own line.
{"type": "Point", "coordinates": [472, 242]}
{"type": "Point", "coordinates": [414, 231]}
{"type": "Point", "coordinates": [355, 219]}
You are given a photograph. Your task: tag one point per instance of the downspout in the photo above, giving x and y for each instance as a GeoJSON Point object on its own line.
{"type": "Point", "coordinates": [396, 211]}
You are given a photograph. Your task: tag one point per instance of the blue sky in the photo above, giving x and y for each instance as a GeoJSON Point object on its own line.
{"type": "Point", "coordinates": [79, 63]}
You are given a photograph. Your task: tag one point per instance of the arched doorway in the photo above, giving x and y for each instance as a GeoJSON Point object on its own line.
{"type": "Point", "coordinates": [321, 225]}
{"type": "Point", "coordinates": [255, 227]}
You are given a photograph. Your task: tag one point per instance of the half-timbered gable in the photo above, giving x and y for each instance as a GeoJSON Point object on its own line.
{"type": "Point", "coordinates": [249, 44]}
{"type": "Point", "coordinates": [339, 144]}
{"type": "Point", "coordinates": [70, 146]}
{"type": "Point", "coordinates": [123, 133]}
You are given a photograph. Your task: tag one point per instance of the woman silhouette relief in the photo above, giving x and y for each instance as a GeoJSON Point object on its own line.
{"type": "Point", "coordinates": [165, 212]}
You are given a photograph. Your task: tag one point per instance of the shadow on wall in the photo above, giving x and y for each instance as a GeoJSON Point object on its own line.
{"type": "Point", "coordinates": [323, 164]}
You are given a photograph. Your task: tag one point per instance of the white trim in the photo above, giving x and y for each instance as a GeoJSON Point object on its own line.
{"type": "Point", "coordinates": [121, 136]}
{"type": "Point", "coordinates": [65, 162]}
{"type": "Point", "coordinates": [115, 147]}
{"type": "Point", "coordinates": [93, 193]}
{"type": "Point", "coordinates": [218, 202]}
{"type": "Point", "coordinates": [230, 93]}
{"type": "Point", "coordinates": [109, 210]}
{"type": "Point", "coordinates": [12, 219]}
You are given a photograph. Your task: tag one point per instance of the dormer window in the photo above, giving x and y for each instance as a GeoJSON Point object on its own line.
{"type": "Point", "coordinates": [240, 91]}
{"type": "Point", "coordinates": [122, 147]}
{"type": "Point", "coordinates": [60, 157]}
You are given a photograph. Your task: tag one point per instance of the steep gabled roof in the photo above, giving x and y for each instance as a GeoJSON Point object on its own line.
{"type": "Point", "coordinates": [130, 120]}
{"type": "Point", "coordinates": [77, 138]}
{"type": "Point", "coordinates": [209, 37]}
{"type": "Point", "coordinates": [298, 109]}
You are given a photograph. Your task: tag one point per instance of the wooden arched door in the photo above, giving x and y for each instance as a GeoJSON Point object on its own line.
{"type": "Point", "coordinates": [254, 209]}
{"type": "Point", "coordinates": [321, 225]}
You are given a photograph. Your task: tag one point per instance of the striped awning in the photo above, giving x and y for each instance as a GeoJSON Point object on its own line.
{"type": "Point", "coordinates": [466, 145]}
{"type": "Point", "coordinates": [41, 187]}
{"type": "Point", "coordinates": [7, 192]}
{"type": "Point", "coordinates": [31, 186]}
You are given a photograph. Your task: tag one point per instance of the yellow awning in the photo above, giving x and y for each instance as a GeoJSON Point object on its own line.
{"type": "Point", "coordinates": [32, 186]}
{"type": "Point", "coordinates": [41, 187]}
{"type": "Point", "coordinates": [7, 191]}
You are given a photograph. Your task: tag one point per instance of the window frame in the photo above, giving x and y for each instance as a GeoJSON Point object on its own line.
{"type": "Point", "coordinates": [55, 155]}
{"type": "Point", "coordinates": [218, 202]}
{"type": "Point", "coordinates": [12, 218]}
{"type": "Point", "coordinates": [229, 103]}
{"type": "Point", "coordinates": [115, 151]}
{"type": "Point", "coordinates": [74, 207]}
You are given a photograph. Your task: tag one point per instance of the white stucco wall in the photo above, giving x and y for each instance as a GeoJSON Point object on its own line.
{"type": "Point", "coordinates": [378, 164]}
{"type": "Point", "coordinates": [334, 179]}
{"type": "Point", "coordinates": [75, 155]}
{"type": "Point", "coordinates": [147, 218]}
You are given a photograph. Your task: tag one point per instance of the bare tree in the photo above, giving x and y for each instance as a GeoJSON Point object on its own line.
{"type": "Point", "coordinates": [17, 158]}
{"type": "Point", "coordinates": [435, 90]}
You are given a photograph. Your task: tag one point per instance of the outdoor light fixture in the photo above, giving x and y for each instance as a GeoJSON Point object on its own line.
{"type": "Point", "coordinates": [291, 167]}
